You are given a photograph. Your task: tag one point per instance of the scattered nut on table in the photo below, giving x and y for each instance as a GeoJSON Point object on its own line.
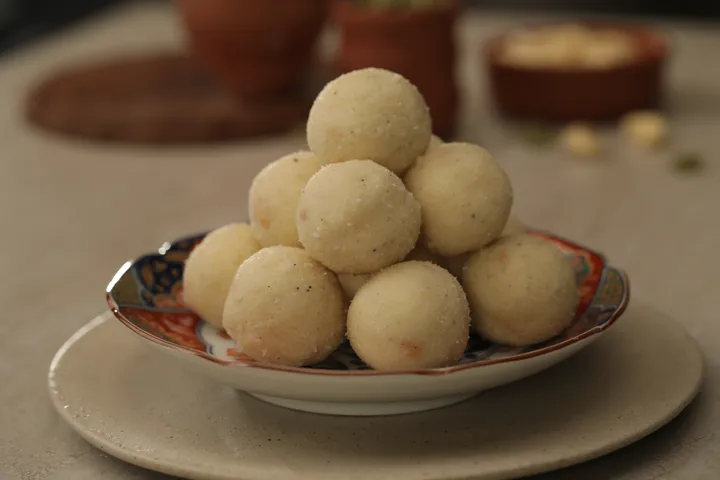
{"type": "Point", "coordinates": [645, 128]}
{"type": "Point", "coordinates": [580, 139]}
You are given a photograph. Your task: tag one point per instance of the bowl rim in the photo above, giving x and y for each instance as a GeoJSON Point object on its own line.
{"type": "Point", "coordinates": [641, 32]}
{"type": "Point", "coordinates": [350, 13]}
{"type": "Point", "coordinates": [237, 363]}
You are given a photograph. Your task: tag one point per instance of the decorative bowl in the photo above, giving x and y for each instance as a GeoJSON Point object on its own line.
{"type": "Point", "coordinates": [146, 296]}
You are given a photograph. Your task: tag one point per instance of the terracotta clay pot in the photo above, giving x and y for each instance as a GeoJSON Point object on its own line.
{"type": "Point", "coordinates": [567, 94]}
{"type": "Point", "coordinates": [256, 47]}
{"type": "Point", "coordinates": [417, 43]}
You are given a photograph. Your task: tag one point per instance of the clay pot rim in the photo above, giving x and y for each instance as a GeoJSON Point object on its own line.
{"type": "Point", "coordinates": [654, 48]}
{"type": "Point", "coordinates": [347, 12]}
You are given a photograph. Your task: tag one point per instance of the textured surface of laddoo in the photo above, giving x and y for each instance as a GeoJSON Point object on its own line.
{"type": "Point", "coordinates": [412, 315]}
{"type": "Point", "coordinates": [351, 282]}
{"type": "Point", "coordinates": [466, 197]}
{"type": "Point", "coordinates": [422, 254]}
{"type": "Point", "coordinates": [373, 114]}
{"type": "Point", "coordinates": [357, 217]}
{"type": "Point", "coordinates": [274, 197]}
{"type": "Point", "coordinates": [285, 308]}
{"type": "Point", "coordinates": [211, 266]}
{"type": "Point", "coordinates": [455, 263]}
{"type": "Point", "coordinates": [435, 141]}
{"type": "Point", "coordinates": [522, 290]}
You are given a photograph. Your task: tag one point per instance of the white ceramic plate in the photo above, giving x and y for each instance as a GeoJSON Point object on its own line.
{"type": "Point", "coordinates": [136, 403]}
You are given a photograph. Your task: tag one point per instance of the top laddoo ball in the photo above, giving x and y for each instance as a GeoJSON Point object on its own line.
{"type": "Point", "coordinates": [351, 282]}
{"type": "Point", "coordinates": [371, 114]}
{"type": "Point", "coordinates": [357, 217]}
{"type": "Point", "coordinates": [466, 197]}
{"type": "Point", "coordinates": [274, 195]}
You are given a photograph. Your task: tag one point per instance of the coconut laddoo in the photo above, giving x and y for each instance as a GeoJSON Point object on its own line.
{"type": "Point", "coordinates": [285, 308]}
{"type": "Point", "coordinates": [465, 196]}
{"type": "Point", "coordinates": [357, 217]}
{"type": "Point", "coordinates": [211, 266]}
{"type": "Point", "coordinates": [370, 114]}
{"type": "Point", "coordinates": [274, 195]}
{"type": "Point", "coordinates": [522, 290]}
{"type": "Point", "coordinates": [409, 316]}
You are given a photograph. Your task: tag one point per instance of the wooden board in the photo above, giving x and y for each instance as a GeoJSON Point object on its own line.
{"type": "Point", "coordinates": [160, 98]}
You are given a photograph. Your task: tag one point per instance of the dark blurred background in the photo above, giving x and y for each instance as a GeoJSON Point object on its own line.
{"type": "Point", "coordinates": [23, 21]}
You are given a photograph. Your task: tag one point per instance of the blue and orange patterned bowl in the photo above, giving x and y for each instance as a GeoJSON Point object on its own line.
{"type": "Point", "coordinates": [146, 296]}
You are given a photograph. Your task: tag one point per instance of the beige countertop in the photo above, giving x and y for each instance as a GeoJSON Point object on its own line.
{"type": "Point", "coordinates": [72, 212]}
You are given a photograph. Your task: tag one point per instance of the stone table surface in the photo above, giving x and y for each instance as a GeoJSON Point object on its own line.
{"type": "Point", "coordinates": [72, 212]}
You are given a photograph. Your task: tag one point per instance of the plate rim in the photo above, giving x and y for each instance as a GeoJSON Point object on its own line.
{"type": "Point", "coordinates": [142, 459]}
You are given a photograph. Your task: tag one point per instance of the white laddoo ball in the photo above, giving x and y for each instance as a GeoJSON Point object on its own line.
{"type": "Point", "coordinates": [522, 290]}
{"type": "Point", "coordinates": [412, 315]}
{"type": "Point", "coordinates": [465, 196]}
{"type": "Point", "coordinates": [274, 195]}
{"type": "Point", "coordinates": [285, 308]}
{"type": "Point", "coordinates": [357, 217]}
{"type": "Point", "coordinates": [372, 114]}
{"type": "Point", "coordinates": [211, 266]}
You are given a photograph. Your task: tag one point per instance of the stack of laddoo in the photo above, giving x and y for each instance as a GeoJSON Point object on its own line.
{"type": "Point", "coordinates": [381, 233]}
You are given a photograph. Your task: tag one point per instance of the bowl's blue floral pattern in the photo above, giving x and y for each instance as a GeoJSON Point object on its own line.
{"type": "Point", "coordinates": [147, 296]}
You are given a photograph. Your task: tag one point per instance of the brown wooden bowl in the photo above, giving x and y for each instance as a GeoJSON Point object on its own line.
{"type": "Point", "coordinates": [419, 44]}
{"type": "Point", "coordinates": [577, 93]}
